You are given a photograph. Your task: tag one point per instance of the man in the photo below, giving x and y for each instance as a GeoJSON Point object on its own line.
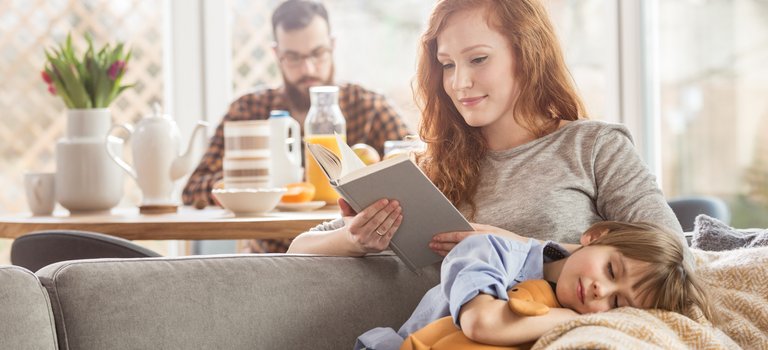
{"type": "Point", "coordinates": [304, 48]}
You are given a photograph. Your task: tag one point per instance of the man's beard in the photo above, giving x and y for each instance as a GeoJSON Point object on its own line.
{"type": "Point", "coordinates": [298, 98]}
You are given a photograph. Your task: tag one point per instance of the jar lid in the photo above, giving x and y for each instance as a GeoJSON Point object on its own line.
{"type": "Point", "coordinates": [324, 89]}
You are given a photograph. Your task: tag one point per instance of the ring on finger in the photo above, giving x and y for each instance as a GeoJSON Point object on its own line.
{"type": "Point", "coordinates": [381, 234]}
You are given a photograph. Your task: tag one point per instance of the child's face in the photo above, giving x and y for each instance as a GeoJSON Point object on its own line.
{"type": "Point", "coordinates": [599, 278]}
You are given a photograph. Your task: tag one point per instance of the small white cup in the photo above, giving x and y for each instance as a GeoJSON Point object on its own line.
{"type": "Point", "coordinates": [41, 192]}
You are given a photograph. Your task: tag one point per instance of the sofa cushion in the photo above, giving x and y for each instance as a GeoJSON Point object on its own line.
{"type": "Point", "coordinates": [714, 235]}
{"type": "Point", "coordinates": [269, 301]}
{"type": "Point", "coordinates": [27, 318]}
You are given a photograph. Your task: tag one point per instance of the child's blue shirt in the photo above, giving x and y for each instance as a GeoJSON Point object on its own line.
{"type": "Point", "coordinates": [478, 264]}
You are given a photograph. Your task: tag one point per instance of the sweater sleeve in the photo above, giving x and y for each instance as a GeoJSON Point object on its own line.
{"type": "Point", "coordinates": [482, 264]}
{"type": "Point", "coordinates": [626, 190]}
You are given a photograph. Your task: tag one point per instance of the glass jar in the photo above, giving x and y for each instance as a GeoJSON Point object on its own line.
{"type": "Point", "coordinates": [324, 120]}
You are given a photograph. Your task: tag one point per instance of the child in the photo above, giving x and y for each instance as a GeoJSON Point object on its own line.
{"type": "Point", "coordinates": [639, 265]}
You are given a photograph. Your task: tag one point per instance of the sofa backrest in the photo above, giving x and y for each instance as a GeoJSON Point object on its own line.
{"type": "Point", "coordinates": [231, 301]}
{"type": "Point", "coordinates": [27, 320]}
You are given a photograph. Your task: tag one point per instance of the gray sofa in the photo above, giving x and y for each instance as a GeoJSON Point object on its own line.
{"type": "Point", "coordinates": [26, 320]}
{"type": "Point", "coordinates": [207, 302]}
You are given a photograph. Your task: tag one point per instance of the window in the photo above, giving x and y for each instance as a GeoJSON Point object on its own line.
{"type": "Point", "coordinates": [710, 56]}
{"type": "Point", "coordinates": [714, 105]}
{"type": "Point", "coordinates": [32, 119]}
{"type": "Point", "coordinates": [583, 28]}
{"type": "Point", "coordinates": [391, 44]}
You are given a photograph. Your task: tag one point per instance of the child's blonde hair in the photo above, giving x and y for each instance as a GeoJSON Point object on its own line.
{"type": "Point", "coordinates": [670, 280]}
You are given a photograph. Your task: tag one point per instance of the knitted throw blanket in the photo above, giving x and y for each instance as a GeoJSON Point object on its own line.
{"type": "Point", "coordinates": [738, 286]}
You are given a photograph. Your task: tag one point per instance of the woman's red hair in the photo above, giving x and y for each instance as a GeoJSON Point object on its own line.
{"type": "Point", "coordinates": [546, 93]}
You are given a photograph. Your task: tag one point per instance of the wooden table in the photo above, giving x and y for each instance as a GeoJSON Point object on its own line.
{"type": "Point", "coordinates": [187, 224]}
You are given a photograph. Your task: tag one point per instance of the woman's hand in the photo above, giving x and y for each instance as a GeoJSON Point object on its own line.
{"type": "Point", "coordinates": [371, 229]}
{"type": "Point", "coordinates": [442, 243]}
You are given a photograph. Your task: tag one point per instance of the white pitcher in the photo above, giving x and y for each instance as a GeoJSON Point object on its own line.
{"type": "Point", "coordinates": [156, 160]}
{"type": "Point", "coordinates": [285, 149]}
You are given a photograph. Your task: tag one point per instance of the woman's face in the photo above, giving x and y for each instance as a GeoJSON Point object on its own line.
{"type": "Point", "coordinates": [478, 69]}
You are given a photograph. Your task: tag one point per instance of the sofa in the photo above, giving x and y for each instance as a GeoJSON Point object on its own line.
{"type": "Point", "coordinates": [25, 309]}
{"type": "Point", "coordinates": [269, 301]}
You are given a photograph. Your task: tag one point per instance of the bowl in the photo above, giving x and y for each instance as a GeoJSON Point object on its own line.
{"type": "Point", "coordinates": [248, 201]}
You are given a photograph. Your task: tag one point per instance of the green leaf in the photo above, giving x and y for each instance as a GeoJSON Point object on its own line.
{"type": "Point", "coordinates": [128, 57]}
{"type": "Point", "coordinates": [60, 91]}
{"type": "Point", "coordinates": [74, 86]}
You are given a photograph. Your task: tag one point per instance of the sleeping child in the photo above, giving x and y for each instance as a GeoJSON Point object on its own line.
{"type": "Point", "coordinates": [621, 264]}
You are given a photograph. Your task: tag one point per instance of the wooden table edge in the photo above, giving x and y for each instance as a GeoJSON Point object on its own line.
{"type": "Point", "coordinates": [155, 228]}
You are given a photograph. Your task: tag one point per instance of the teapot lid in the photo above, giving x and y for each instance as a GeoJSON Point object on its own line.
{"type": "Point", "coordinates": [157, 111]}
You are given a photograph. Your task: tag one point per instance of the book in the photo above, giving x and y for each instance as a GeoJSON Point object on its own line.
{"type": "Point", "coordinates": [426, 211]}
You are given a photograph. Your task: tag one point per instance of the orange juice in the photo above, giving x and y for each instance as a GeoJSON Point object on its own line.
{"type": "Point", "coordinates": [315, 175]}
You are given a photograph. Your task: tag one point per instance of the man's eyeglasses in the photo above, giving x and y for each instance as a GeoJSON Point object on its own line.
{"type": "Point", "coordinates": [317, 56]}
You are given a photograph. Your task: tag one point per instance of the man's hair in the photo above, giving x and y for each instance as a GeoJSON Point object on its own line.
{"type": "Point", "coordinates": [546, 93]}
{"type": "Point", "coordinates": [297, 14]}
{"type": "Point", "coordinates": [670, 280]}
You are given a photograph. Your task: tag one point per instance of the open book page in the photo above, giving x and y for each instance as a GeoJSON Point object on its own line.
{"type": "Point", "coordinates": [349, 159]}
{"type": "Point", "coordinates": [349, 167]}
{"type": "Point", "coordinates": [333, 166]}
{"type": "Point", "coordinates": [328, 161]}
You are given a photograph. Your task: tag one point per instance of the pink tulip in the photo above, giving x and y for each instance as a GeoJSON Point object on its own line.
{"type": "Point", "coordinates": [115, 69]}
{"type": "Point", "coordinates": [52, 89]}
{"type": "Point", "coordinates": [46, 77]}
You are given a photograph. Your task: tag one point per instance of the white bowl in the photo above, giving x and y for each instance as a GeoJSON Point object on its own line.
{"type": "Point", "coordinates": [249, 201]}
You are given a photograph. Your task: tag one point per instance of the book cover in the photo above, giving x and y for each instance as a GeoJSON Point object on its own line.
{"type": "Point", "coordinates": [426, 211]}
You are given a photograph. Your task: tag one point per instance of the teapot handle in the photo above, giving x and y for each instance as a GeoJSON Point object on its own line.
{"type": "Point", "coordinates": [119, 160]}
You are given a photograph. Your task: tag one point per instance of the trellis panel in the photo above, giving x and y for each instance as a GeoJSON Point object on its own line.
{"type": "Point", "coordinates": [32, 119]}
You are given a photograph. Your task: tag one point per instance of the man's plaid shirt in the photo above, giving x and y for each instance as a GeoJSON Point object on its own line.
{"type": "Point", "coordinates": [370, 119]}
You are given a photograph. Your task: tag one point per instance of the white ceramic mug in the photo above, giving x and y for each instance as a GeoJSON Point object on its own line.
{"type": "Point", "coordinates": [246, 139]}
{"type": "Point", "coordinates": [41, 192]}
{"type": "Point", "coordinates": [247, 154]}
{"type": "Point", "coordinates": [246, 173]}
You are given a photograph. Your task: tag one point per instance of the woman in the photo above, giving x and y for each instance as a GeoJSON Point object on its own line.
{"type": "Point", "coordinates": [507, 139]}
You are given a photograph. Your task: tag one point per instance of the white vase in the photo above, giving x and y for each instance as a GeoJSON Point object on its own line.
{"type": "Point", "coordinates": [87, 180]}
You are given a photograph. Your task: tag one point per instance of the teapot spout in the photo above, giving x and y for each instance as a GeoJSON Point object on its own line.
{"type": "Point", "coordinates": [184, 163]}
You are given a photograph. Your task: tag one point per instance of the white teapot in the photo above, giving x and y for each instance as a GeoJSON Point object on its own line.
{"type": "Point", "coordinates": [157, 162]}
